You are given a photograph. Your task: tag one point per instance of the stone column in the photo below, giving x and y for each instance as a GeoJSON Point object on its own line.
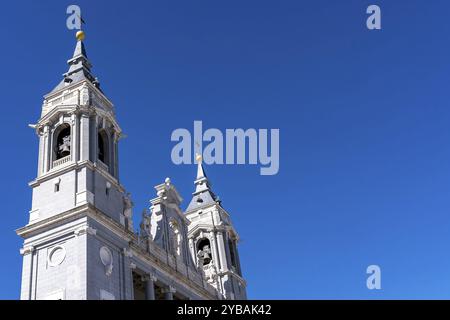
{"type": "Point", "coordinates": [27, 286]}
{"type": "Point", "coordinates": [74, 129]}
{"type": "Point", "coordinates": [192, 250]}
{"type": "Point", "coordinates": [132, 268]}
{"type": "Point", "coordinates": [149, 287]}
{"type": "Point", "coordinates": [111, 152]}
{"type": "Point", "coordinates": [41, 154]}
{"type": "Point", "coordinates": [116, 156]}
{"type": "Point", "coordinates": [168, 293]}
{"type": "Point", "coordinates": [94, 139]}
{"type": "Point", "coordinates": [112, 161]}
{"type": "Point", "coordinates": [47, 148]}
{"type": "Point", "coordinates": [84, 137]}
{"type": "Point", "coordinates": [214, 249]}
{"type": "Point", "coordinates": [222, 252]}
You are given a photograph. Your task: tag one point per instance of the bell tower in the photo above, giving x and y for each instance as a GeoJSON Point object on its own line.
{"type": "Point", "coordinates": [79, 242]}
{"type": "Point", "coordinates": [213, 239]}
{"type": "Point", "coordinates": [78, 203]}
{"type": "Point", "coordinates": [78, 146]}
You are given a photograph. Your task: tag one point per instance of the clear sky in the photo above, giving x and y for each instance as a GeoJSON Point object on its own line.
{"type": "Point", "coordinates": [363, 116]}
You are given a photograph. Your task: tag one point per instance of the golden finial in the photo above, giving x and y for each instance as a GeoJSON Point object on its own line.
{"type": "Point", "coordinates": [80, 35]}
{"type": "Point", "coordinates": [198, 158]}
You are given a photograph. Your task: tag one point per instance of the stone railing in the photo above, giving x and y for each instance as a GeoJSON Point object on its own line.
{"type": "Point", "coordinates": [59, 162]}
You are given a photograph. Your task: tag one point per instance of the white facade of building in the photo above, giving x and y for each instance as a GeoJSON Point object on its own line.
{"type": "Point", "coordinates": [80, 242]}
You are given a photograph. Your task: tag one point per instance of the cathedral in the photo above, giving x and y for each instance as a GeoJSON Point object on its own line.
{"type": "Point", "coordinates": [80, 242]}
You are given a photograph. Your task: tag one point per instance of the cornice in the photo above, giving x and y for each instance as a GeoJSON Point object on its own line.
{"type": "Point", "coordinates": [86, 210]}
{"type": "Point", "coordinates": [207, 228]}
{"type": "Point", "coordinates": [202, 207]}
{"type": "Point", "coordinates": [66, 108]}
{"type": "Point", "coordinates": [53, 173]}
{"type": "Point", "coordinates": [51, 222]}
{"type": "Point", "coordinates": [75, 85]}
{"type": "Point", "coordinates": [76, 109]}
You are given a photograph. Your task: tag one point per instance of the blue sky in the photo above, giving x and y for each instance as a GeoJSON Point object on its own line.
{"type": "Point", "coordinates": [363, 117]}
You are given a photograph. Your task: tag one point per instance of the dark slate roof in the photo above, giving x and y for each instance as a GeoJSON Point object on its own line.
{"type": "Point", "coordinates": [203, 195]}
{"type": "Point", "coordinates": [79, 69]}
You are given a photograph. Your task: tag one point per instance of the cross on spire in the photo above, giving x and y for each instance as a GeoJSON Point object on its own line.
{"type": "Point", "coordinates": [81, 20]}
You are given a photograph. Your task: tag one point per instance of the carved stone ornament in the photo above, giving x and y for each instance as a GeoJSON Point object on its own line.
{"type": "Point", "coordinates": [107, 259]}
{"type": "Point", "coordinates": [56, 256]}
{"type": "Point", "coordinates": [210, 272]}
{"type": "Point", "coordinates": [84, 95]}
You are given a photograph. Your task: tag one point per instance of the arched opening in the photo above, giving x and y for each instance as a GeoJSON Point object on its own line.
{"type": "Point", "coordinates": [204, 252]}
{"type": "Point", "coordinates": [232, 247]}
{"type": "Point", "coordinates": [103, 147]}
{"type": "Point", "coordinates": [63, 141]}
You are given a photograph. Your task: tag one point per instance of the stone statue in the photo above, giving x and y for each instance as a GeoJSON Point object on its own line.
{"type": "Point", "coordinates": [145, 225]}
{"type": "Point", "coordinates": [128, 211]}
{"type": "Point", "coordinates": [175, 237]}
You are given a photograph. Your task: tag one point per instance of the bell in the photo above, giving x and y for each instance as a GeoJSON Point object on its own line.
{"type": "Point", "coordinates": [206, 254]}
{"type": "Point", "coordinates": [64, 147]}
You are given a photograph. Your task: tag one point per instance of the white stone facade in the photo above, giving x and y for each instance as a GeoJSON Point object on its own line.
{"type": "Point", "coordinates": [80, 242]}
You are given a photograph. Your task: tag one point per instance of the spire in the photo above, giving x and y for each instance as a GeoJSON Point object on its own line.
{"type": "Point", "coordinates": [201, 183]}
{"type": "Point", "coordinates": [200, 171]}
{"type": "Point", "coordinates": [80, 51]}
{"type": "Point", "coordinates": [79, 66]}
{"type": "Point", "coordinates": [203, 195]}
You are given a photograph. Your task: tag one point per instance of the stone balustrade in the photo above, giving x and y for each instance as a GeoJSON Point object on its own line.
{"type": "Point", "coordinates": [61, 161]}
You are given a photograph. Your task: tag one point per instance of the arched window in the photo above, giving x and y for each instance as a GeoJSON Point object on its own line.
{"type": "Point", "coordinates": [204, 252]}
{"type": "Point", "coordinates": [103, 147]}
{"type": "Point", "coordinates": [62, 141]}
{"type": "Point", "coordinates": [232, 247]}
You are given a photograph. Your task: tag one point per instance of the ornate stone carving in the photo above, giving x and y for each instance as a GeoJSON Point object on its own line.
{"type": "Point", "coordinates": [106, 258]}
{"type": "Point", "coordinates": [210, 272]}
{"type": "Point", "coordinates": [56, 256]}
{"type": "Point", "coordinates": [85, 229]}
{"type": "Point", "coordinates": [145, 225]}
{"type": "Point", "coordinates": [175, 236]}
{"type": "Point", "coordinates": [26, 250]}
{"type": "Point", "coordinates": [84, 98]}
{"type": "Point", "coordinates": [169, 289]}
{"type": "Point", "coordinates": [128, 211]}
{"type": "Point", "coordinates": [127, 252]}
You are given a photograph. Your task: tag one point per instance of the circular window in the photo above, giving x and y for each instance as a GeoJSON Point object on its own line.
{"type": "Point", "coordinates": [56, 256]}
